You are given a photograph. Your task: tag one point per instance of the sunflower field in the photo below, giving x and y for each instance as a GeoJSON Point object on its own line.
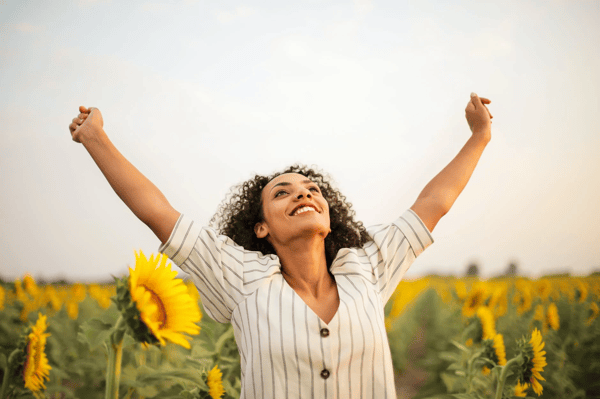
{"type": "Point", "coordinates": [144, 336]}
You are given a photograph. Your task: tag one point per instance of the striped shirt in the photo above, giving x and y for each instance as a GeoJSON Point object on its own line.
{"type": "Point", "coordinates": [286, 350]}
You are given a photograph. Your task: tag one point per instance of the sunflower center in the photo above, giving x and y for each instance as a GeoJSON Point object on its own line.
{"type": "Point", "coordinates": [474, 300]}
{"type": "Point", "coordinates": [160, 315]}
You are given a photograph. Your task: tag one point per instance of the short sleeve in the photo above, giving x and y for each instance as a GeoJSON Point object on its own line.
{"type": "Point", "coordinates": [394, 248]}
{"type": "Point", "coordinates": [214, 262]}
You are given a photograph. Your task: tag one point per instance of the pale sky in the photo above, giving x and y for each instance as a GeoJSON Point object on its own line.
{"type": "Point", "coordinates": [201, 95]}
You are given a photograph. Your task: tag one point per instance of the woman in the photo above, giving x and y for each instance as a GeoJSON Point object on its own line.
{"type": "Point", "coordinates": [303, 284]}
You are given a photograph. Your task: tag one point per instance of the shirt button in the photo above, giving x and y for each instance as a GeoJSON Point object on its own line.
{"type": "Point", "coordinates": [324, 332]}
{"type": "Point", "coordinates": [325, 374]}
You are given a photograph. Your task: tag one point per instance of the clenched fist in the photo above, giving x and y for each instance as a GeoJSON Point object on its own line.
{"type": "Point", "coordinates": [88, 124]}
{"type": "Point", "coordinates": [478, 116]}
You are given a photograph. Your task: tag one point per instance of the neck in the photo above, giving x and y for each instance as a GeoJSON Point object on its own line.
{"type": "Point", "coordinates": [304, 266]}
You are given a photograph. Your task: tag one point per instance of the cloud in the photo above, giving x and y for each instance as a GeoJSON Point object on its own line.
{"type": "Point", "coordinates": [240, 12]}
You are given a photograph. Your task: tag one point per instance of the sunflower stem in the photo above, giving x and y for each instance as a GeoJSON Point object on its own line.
{"type": "Point", "coordinates": [115, 354]}
{"type": "Point", "coordinates": [7, 373]}
{"type": "Point", "coordinates": [504, 374]}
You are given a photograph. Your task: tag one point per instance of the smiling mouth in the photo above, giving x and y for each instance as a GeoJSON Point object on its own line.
{"type": "Point", "coordinates": [303, 209]}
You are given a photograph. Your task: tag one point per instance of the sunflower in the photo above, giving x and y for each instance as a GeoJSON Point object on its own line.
{"type": "Point", "coordinates": [474, 300]}
{"type": "Point", "coordinates": [567, 289]}
{"type": "Point", "coordinates": [72, 309]}
{"type": "Point", "coordinates": [534, 361]}
{"type": "Point", "coordinates": [30, 286]}
{"type": "Point", "coordinates": [20, 292]}
{"type": "Point", "coordinates": [101, 295]}
{"type": "Point", "coordinates": [215, 383]}
{"type": "Point", "coordinates": [495, 351]}
{"type": "Point", "coordinates": [581, 291]}
{"type": "Point", "coordinates": [552, 318]}
{"type": "Point", "coordinates": [594, 311]}
{"type": "Point", "coordinates": [523, 298]}
{"type": "Point", "coordinates": [162, 303]}
{"type": "Point", "coordinates": [500, 349]}
{"type": "Point", "coordinates": [499, 302]}
{"type": "Point", "coordinates": [539, 313]}
{"type": "Point", "coordinates": [77, 292]}
{"type": "Point", "coordinates": [520, 390]}
{"type": "Point", "coordinates": [2, 296]}
{"type": "Point", "coordinates": [460, 288]}
{"type": "Point", "coordinates": [36, 367]}
{"type": "Point", "coordinates": [543, 289]}
{"type": "Point", "coordinates": [487, 322]}
{"type": "Point", "coordinates": [51, 297]}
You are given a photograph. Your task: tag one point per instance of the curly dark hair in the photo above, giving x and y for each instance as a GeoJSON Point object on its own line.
{"type": "Point", "coordinates": [242, 209]}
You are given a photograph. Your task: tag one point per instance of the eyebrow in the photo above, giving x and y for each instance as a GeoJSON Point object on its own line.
{"type": "Point", "coordinates": [285, 183]}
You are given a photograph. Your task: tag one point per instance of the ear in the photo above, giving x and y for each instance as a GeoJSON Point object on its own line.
{"type": "Point", "coordinates": [261, 230]}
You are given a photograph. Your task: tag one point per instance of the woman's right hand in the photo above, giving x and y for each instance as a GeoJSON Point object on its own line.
{"type": "Point", "coordinates": [87, 124]}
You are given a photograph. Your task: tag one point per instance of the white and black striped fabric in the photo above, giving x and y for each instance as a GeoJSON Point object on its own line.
{"type": "Point", "coordinates": [286, 350]}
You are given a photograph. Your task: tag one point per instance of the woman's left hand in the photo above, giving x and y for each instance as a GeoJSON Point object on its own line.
{"type": "Point", "coordinates": [478, 116]}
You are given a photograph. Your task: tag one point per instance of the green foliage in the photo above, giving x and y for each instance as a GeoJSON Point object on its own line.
{"type": "Point", "coordinates": [77, 348]}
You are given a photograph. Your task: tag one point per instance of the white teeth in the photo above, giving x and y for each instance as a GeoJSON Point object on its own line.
{"type": "Point", "coordinates": [304, 209]}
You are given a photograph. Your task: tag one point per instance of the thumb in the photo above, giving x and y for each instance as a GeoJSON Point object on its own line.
{"type": "Point", "coordinates": [476, 100]}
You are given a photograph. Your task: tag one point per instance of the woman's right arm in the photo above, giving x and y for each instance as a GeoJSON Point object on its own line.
{"type": "Point", "coordinates": [144, 199]}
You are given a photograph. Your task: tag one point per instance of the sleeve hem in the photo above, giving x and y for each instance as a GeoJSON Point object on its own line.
{"type": "Point", "coordinates": [415, 231]}
{"type": "Point", "coordinates": [181, 241]}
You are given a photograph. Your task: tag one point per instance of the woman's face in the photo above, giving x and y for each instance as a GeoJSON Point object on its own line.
{"type": "Point", "coordinates": [293, 207]}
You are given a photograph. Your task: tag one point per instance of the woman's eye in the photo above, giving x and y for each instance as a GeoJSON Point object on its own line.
{"type": "Point", "coordinates": [279, 192]}
{"type": "Point", "coordinates": [315, 189]}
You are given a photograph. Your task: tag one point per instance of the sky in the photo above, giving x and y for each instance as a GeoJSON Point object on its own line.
{"type": "Point", "coordinates": [200, 96]}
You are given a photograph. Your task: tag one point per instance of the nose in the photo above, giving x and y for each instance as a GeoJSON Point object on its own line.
{"type": "Point", "coordinates": [304, 192]}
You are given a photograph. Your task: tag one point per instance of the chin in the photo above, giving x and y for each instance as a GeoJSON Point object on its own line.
{"type": "Point", "coordinates": [317, 230]}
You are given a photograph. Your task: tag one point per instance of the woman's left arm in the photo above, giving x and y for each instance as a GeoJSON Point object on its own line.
{"type": "Point", "coordinates": [439, 194]}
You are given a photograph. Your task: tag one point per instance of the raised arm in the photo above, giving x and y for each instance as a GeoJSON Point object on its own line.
{"type": "Point", "coordinates": [439, 194]}
{"type": "Point", "coordinates": [144, 199]}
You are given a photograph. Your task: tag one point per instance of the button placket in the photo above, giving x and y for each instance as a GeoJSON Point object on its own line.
{"type": "Point", "coordinates": [326, 343]}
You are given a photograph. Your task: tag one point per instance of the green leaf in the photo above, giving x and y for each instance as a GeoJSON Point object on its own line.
{"type": "Point", "coordinates": [2, 361]}
{"type": "Point", "coordinates": [452, 382]}
{"type": "Point", "coordinates": [227, 359]}
{"type": "Point", "coordinates": [199, 351]}
{"type": "Point", "coordinates": [147, 391]}
{"type": "Point", "coordinates": [202, 365]}
{"type": "Point", "coordinates": [223, 339]}
{"type": "Point", "coordinates": [231, 391]}
{"type": "Point", "coordinates": [94, 332]}
{"type": "Point", "coordinates": [148, 376]}
{"type": "Point", "coordinates": [449, 356]}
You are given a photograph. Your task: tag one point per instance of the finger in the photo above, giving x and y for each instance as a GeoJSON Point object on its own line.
{"type": "Point", "coordinates": [488, 111]}
{"type": "Point", "coordinates": [83, 109]}
{"type": "Point", "coordinates": [485, 100]}
{"type": "Point", "coordinates": [475, 100]}
{"type": "Point", "coordinates": [77, 121]}
{"type": "Point", "coordinates": [82, 116]}
{"type": "Point", "coordinates": [73, 127]}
